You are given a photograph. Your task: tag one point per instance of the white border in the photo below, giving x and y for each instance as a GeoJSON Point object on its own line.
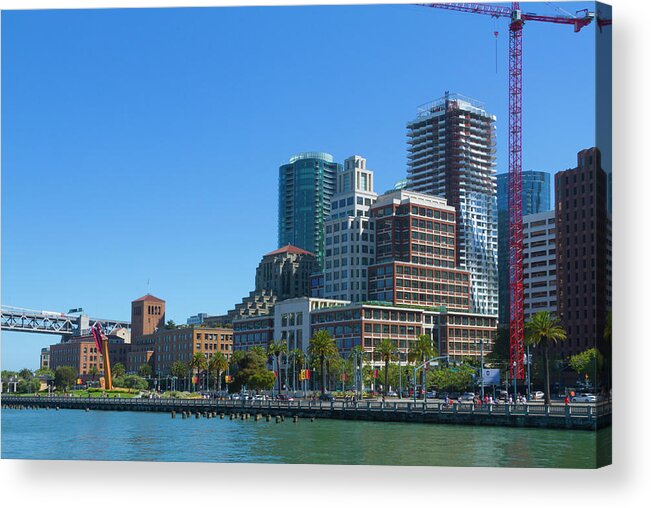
{"type": "Point", "coordinates": [50, 483]}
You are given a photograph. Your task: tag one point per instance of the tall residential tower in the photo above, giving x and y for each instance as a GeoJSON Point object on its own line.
{"type": "Point", "coordinates": [305, 188]}
{"type": "Point", "coordinates": [452, 154]}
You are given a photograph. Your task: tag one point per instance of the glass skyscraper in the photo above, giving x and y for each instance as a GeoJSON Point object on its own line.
{"type": "Point", "coordinates": [305, 188]}
{"type": "Point", "coordinates": [536, 198]}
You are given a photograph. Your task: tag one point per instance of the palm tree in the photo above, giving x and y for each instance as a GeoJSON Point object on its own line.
{"type": "Point", "coordinates": [179, 370]}
{"type": "Point", "coordinates": [93, 371]}
{"type": "Point", "coordinates": [387, 351]}
{"type": "Point", "coordinates": [322, 346]}
{"type": "Point", "coordinates": [198, 362]}
{"type": "Point", "coordinates": [276, 349]}
{"type": "Point", "coordinates": [358, 351]}
{"type": "Point", "coordinates": [298, 359]}
{"type": "Point", "coordinates": [542, 329]}
{"type": "Point", "coordinates": [217, 364]}
{"type": "Point", "coordinates": [420, 352]}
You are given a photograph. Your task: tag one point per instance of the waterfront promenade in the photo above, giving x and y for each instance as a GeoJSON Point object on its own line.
{"type": "Point", "coordinates": [576, 417]}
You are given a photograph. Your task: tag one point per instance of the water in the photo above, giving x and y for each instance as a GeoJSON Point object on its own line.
{"type": "Point", "coordinates": [106, 435]}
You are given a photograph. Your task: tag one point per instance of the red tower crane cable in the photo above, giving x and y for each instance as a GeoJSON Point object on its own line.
{"type": "Point", "coordinates": [516, 275]}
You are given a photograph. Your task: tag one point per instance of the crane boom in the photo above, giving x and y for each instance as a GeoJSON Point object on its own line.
{"type": "Point", "coordinates": [516, 248]}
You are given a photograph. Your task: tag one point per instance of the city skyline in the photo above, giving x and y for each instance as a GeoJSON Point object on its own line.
{"type": "Point", "coordinates": [148, 246]}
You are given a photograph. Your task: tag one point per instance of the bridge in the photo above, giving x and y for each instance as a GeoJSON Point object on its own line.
{"type": "Point", "coordinates": [17, 319]}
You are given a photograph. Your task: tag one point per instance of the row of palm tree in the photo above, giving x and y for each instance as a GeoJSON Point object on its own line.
{"type": "Point", "coordinates": [542, 330]}
{"type": "Point", "coordinates": [216, 365]}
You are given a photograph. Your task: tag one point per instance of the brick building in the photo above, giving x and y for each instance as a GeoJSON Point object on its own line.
{"type": "Point", "coordinates": [81, 354]}
{"type": "Point", "coordinates": [416, 254]}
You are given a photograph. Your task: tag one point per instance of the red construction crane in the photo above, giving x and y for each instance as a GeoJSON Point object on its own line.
{"type": "Point", "coordinates": [518, 18]}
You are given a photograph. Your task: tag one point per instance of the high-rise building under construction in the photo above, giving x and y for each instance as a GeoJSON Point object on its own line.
{"type": "Point", "coordinates": [451, 154]}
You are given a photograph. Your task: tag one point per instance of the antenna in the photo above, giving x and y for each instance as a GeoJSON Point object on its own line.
{"type": "Point", "coordinates": [148, 288]}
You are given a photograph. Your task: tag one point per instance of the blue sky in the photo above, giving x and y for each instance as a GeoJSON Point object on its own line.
{"type": "Point", "coordinates": [144, 144]}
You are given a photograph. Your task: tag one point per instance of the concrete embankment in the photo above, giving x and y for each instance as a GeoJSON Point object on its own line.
{"type": "Point", "coordinates": [584, 417]}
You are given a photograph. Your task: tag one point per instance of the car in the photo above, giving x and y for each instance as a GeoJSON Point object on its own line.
{"type": "Point", "coordinates": [327, 397]}
{"type": "Point", "coordinates": [284, 396]}
{"type": "Point", "coordinates": [431, 394]}
{"type": "Point", "coordinates": [584, 397]}
{"type": "Point", "coordinates": [537, 395]}
{"type": "Point", "coordinates": [392, 393]}
{"type": "Point", "coordinates": [467, 397]}
{"type": "Point", "coordinates": [259, 397]}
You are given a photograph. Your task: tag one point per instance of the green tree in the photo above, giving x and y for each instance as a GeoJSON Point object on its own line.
{"type": "Point", "coordinates": [25, 374]}
{"type": "Point", "coordinates": [198, 362]}
{"type": "Point", "coordinates": [133, 382]}
{"type": "Point", "coordinates": [170, 325]}
{"type": "Point", "coordinates": [541, 330]}
{"type": "Point", "coordinates": [31, 385]}
{"type": "Point", "coordinates": [322, 346]}
{"type": "Point", "coordinates": [179, 370]}
{"type": "Point", "coordinates": [248, 367]}
{"type": "Point", "coordinates": [587, 363]}
{"type": "Point", "coordinates": [298, 360]}
{"type": "Point", "coordinates": [93, 371]}
{"type": "Point", "coordinates": [44, 371]}
{"type": "Point", "coordinates": [217, 365]}
{"type": "Point", "coordinates": [145, 370]}
{"type": "Point", "coordinates": [262, 379]}
{"type": "Point", "coordinates": [456, 378]}
{"type": "Point", "coordinates": [277, 349]}
{"type": "Point", "coordinates": [420, 352]}
{"type": "Point", "coordinates": [387, 352]}
{"type": "Point", "coordinates": [118, 370]}
{"type": "Point", "coordinates": [65, 377]}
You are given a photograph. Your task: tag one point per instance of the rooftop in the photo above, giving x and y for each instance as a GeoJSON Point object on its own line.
{"type": "Point", "coordinates": [312, 155]}
{"type": "Point", "coordinates": [149, 298]}
{"type": "Point", "coordinates": [288, 249]}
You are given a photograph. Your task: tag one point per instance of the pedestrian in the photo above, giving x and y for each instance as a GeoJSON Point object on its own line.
{"type": "Point", "coordinates": [490, 400]}
{"type": "Point", "coordinates": [447, 399]}
{"type": "Point", "coordinates": [510, 400]}
{"type": "Point", "coordinates": [567, 400]}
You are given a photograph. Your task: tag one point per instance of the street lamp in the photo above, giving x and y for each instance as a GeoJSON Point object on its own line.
{"type": "Point", "coordinates": [515, 377]}
{"type": "Point", "coordinates": [481, 345]}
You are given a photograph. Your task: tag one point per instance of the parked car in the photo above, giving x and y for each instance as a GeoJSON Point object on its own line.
{"type": "Point", "coordinates": [284, 396]}
{"type": "Point", "coordinates": [584, 397]}
{"type": "Point", "coordinates": [537, 395]}
{"type": "Point", "coordinates": [431, 394]}
{"type": "Point", "coordinates": [327, 397]}
{"type": "Point", "coordinates": [467, 397]}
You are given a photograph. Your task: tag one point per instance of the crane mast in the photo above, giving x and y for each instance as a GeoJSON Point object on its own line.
{"type": "Point", "coordinates": [516, 274]}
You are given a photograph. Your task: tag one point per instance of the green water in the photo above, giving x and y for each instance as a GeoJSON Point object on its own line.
{"type": "Point", "coordinates": [105, 435]}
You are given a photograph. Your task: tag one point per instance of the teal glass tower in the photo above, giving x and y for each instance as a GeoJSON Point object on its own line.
{"type": "Point", "coordinates": [536, 198]}
{"type": "Point", "coordinates": [305, 188]}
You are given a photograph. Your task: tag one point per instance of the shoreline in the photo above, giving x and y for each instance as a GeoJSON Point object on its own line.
{"type": "Point", "coordinates": [589, 418]}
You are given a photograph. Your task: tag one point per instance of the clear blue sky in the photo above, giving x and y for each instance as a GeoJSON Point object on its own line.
{"type": "Point", "coordinates": [144, 144]}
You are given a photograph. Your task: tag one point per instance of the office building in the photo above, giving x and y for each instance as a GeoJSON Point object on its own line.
{"type": "Point", "coordinates": [583, 253]}
{"type": "Point", "coordinates": [539, 263]}
{"type": "Point", "coordinates": [451, 154]}
{"type": "Point", "coordinates": [305, 188]}
{"type": "Point", "coordinates": [415, 253]}
{"type": "Point", "coordinates": [180, 344]}
{"type": "Point", "coordinates": [536, 198]}
{"type": "Point", "coordinates": [349, 234]}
